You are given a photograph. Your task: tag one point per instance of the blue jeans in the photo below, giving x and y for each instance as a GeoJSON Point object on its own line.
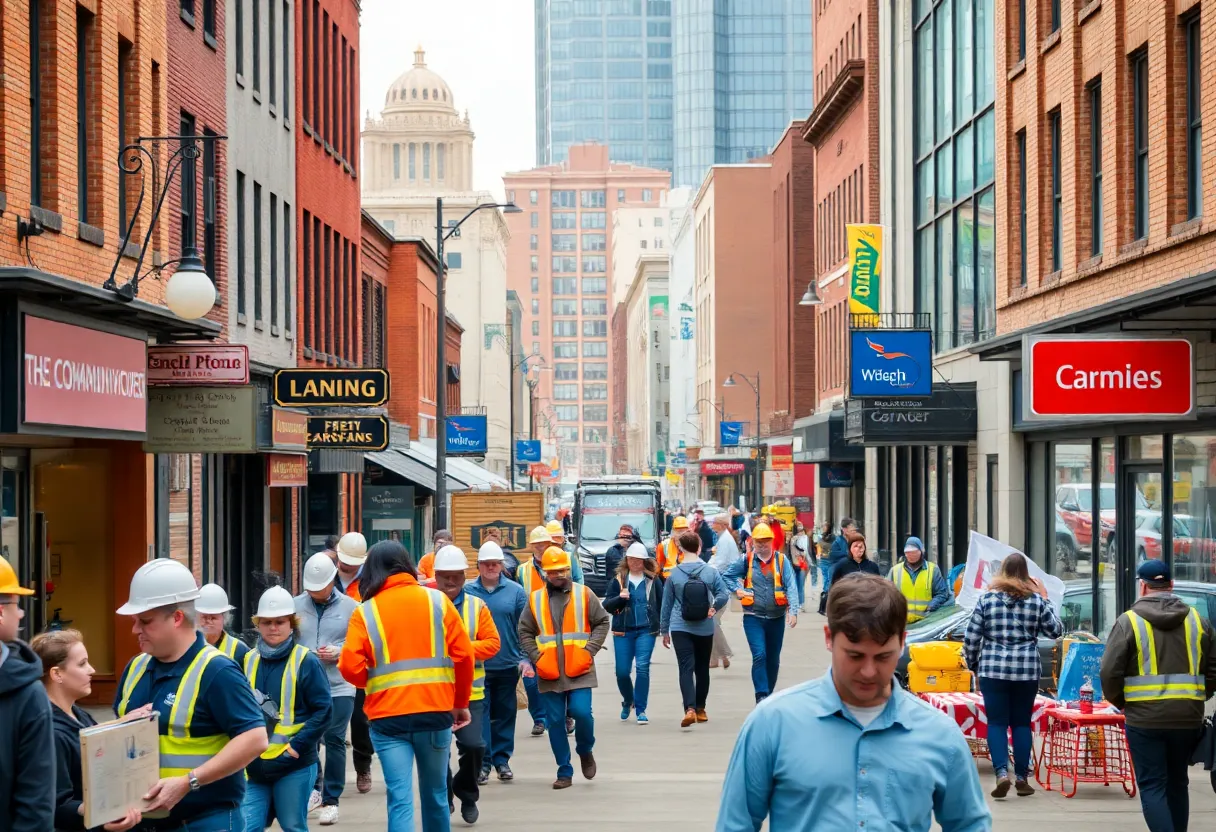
{"type": "Point", "coordinates": [635, 645]}
{"type": "Point", "coordinates": [398, 753]}
{"type": "Point", "coordinates": [825, 572]}
{"type": "Point", "coordinates": [536, 708]}
{"type": "Point", "coordinates": [764, 638]}
{"type": "Point", "coordinates": [1009, 705]}
{"type": "Point", "coordinates": [498, 723]}
{"type": "Point", "coordinates": [576, 704]}
{"type": "Point", "coordinates": [335, 752]}
{"type": "Point", "coordinates": [1162, 757]}
{"type": "Point", "coordinates": [800, 580]}
{"type": "Point", "coordinates": [288, 796]}
{"type": "Point", "coordinates": [225, 820]}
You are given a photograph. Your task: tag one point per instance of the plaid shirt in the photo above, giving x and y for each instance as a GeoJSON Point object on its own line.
{"type": "Point", "coordinates": [1002, 636]}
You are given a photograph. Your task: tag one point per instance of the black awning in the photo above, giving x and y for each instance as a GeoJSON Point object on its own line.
{"type": "Point", "coordinates": [947, 417]}
{"type": "Point", "coordinates": [823, 440]}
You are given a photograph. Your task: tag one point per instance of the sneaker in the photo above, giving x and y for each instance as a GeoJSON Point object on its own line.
{"type": "Point", "coordinates": [588, 765]}
{"type": "Point", "coordinates": [363, 781]}
{"type": "Point", "coordinates": [314, 801]}
{"type": "Point", "coordinates": [702, 716]}
{"type": "Point", "coordinates": [483, 777]}
{"type": "Point", "coordinates": [329, 815]}
{"type": "Point", "coordinates": [469, 813]}
{"type": "Point", "coordinates": [690, 717]}
{"type": "Point", "coordinates": [642, 718]}
{"type": "Point", "coordinates": [1002, 785]}
{"type": "Point", "coordinates": [1023, 788]}
{"type": "Point", "coordinates": [505, 775]}
{"type": "Point", "coordinates": [625, 713]}
{"type": "Point", "coordinates": [569, 725]}
{"type": "Point", "coordinates": [538, 728]}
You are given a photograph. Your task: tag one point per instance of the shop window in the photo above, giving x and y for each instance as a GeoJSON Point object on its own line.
{"type": "Point", "coordinates": [1140, 183]}
{"type": "Point", "coordinates": [1194, 486]}
{"type": "Point", "coordinates": [1194, 119]}
{"type": "Point", "coordinates": [1072, 538]}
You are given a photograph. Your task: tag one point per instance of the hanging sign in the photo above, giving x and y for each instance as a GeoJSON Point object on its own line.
{"type": "Point", "coordinates": [466, 435]}
{"type": "Point", "coordinates": [367, 387]}
{"type": "Point", "coordinates": [865, 270]}
{"type": "Point", "coordinates": [198, 364]}
{"type": "Point", "coordinates": [286, 470]}
{"type": "Point", "coordinates": [729, 433]}
{"type": "Point", "coordinates": [527, 450]}
{"type": "Point", "coordinates": [365, 433]}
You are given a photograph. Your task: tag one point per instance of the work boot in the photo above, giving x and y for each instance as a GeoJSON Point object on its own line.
{"type": "Point", "coordinates": [1002, 785]}
{"type": "Point", "coordinates": [690, 716]}
{"type": "Point", "coordinates": [588, 761]}
{"type": "Point", "coordinates": [538, 728]}
{"type": "Point", "coordinates": [505, 775]}
{"type": "Point", "coordinates": [702, 716]}
{"type": "Point", "coordinates": [363, 781]}
{"type": "Point", "coordinates": [469, 813]}
{"type": "Point", "coordinates": [563, 783]}
{"type": "Point", "coordinates": [1023, 788]}
{"type": "Point", "coordinates": [483, 777]}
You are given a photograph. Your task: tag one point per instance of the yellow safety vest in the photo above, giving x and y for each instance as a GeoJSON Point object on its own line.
{"type": "Point", "coordinates": [470, 612]}
{"type": "Point", "coordinates": [228, 645]}
{"type": "Point", "coordinates": [919, 593]}
{"type": "Point", "coordinates": [1150, 685]}
{"type": "Point", "coordinates": [180, 751]}
{"type": "Point", "coordinates": [671, 557]}
{"type": "Point", "coordinates": [529, 577]}
{"type": "Point", "coordinates": [288, 725]}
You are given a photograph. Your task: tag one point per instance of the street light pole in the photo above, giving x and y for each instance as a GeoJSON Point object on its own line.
{"type": "Point", "coordinates": [511, 427]}
{"type": "Point", "coordinates": [730, 382]}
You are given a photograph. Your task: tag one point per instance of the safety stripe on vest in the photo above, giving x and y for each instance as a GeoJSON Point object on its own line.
{"type": "Point", "coordinates": [287, 726]}
{"type": "Point", "coordinates": [1150, 685]}
{"type": "Point", "coordinates": [778, 561]}
{"type": "Point", "coordinates": [227, 645]}
{"type": "Point", "coordinates": [470, 611]}
{"type": "Point", "coordinates": [135, 672]}
{"type": "Point", "coordinates": [386, 674]}
{"type": "Point", "coordinates": [548, 635]}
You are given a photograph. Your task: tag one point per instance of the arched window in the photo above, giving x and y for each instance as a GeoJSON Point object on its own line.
{"type": "Point", "coordinates": [396, 161]}
{"type": "Point", "coordinates": [426, 160]}
{"type": "Point", "coordinates": [435, 94]}
{"type": "Point", "coordinates": [414, 93]}
{"type": "Point", "coordinates": [424, 92]}
{"type": "Point", "coordinates": [439, 159]}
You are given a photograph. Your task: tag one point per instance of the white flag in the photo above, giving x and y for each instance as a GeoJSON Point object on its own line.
{"type": "Point", "coordinates": [984, 556]}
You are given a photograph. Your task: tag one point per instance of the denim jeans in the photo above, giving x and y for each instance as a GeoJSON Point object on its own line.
{"type": "Point", "coordinates": [576, 704]}
{"type": "Point", "coordinates": [498, 723]}
{"type": "Point", "coordinates": [331, 780]}
{"type": "Point", "coordinates": [398, 754]}
{"type": "Point", "coordinates": [800, 581]}
{"type": "Point", "coordinates": [1161, 757]}
{"type": "Point", "coordinates": [634, 645]}
{"type": "Point", "coordinates": [536, 708]}
{"type": "Point", "coordinates": [764, 638]}
{"type": "Point", "coordinates": [825, 572]}
{"type": "Point", "coordinates": [470, 749]}
{"type": "Point", "coordinates": [1009, 706]}
{"type": "Point", "coordinates": [225, 820]}
{"type": "Point", "coordinates": [287, 796]}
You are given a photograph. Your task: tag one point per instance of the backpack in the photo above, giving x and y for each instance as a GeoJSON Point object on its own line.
{"type": "Point", "coordinates": [696, 598]}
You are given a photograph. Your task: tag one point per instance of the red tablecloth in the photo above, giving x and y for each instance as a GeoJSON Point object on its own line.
{"type": "Point", "coordinates": [967, 710]}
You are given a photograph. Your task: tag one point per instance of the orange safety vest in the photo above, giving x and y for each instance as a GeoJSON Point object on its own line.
{"type": "Point", "coordinates": [426, 566]}
{"type": "Point", "coordinates": [778, 562]}
{"type": "Point", "coordinates": [669, 557]}
{"type": "Point", "coordinates": [529, 577]}
{"type": "Point", "coordinates": [573, 636]}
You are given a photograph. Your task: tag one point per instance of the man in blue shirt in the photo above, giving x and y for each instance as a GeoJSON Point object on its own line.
{"type": "Point", "coordinates": [894, 758]}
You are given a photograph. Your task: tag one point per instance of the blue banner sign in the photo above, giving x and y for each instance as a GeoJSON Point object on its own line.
{"type": "Point", "coordinates": [838, 475]}
{"type": "Point", "coordinates": [527, 450]}
{"type": "Point", "coordinates": [729, 433]}
{"type": "Point", "coordinates": [890, 362]}
{"type": "Point", "coordinates": [466, 435]}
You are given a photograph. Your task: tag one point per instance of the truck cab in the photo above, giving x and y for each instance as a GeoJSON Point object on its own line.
{"type": "Point", "coordinates": [601, 507]}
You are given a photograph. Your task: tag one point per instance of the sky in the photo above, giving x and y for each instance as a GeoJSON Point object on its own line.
{"type": "Point", "coordinates": [483, 49]}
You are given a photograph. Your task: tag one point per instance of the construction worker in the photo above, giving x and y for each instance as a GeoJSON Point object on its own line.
{"type": "Point", "coordinates": [210, 725]}
{"type": "Point", "coordinates": [450, 567]}
{"type": "Point", "coordinates": [352, 552]}
{"type": "Point", "coordinates": [289, 682]}
{"type": "Point", "coordinates": [557, 532]}
{"type": "Point", "coordinates": [668, 553]}
{"type": "Point", "coordinates": [27, 750]}
{"type": "Point", "coordinates": [408, 648]}
{"type": "Point", "coordinates": [215, 618]}
{"type": "Point", "coordinates": [561, 630]}
{"type": "Point", "coordinates": [764, 582]}
{"type": "Point", "coordinates": [920, 581]}
{"type": "Point", "coordinates": [530, 575]}
{"type": "Point", "coordinates": [426, 566]}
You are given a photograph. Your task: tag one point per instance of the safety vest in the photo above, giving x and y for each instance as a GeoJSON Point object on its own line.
{"type": "Point", "coordinates": [1150, 685]}
{"type": "Point", "coordinates": [180, 751]}
{"type": "Point", "coordinates": [529, 577]}
{"type": "Point", "coordinates": [919, 593]}
{"type": "Point", "coordinates": [386, 674]}
{"type": "Point", "coordinates": [669, 557]}
{"type": "Point", "coordinates": [575, 633]}
{"type": "Point", "coordinates": [288, 725]}
{"type": "Point", "coordinates": [228, 645]}
{"type": "Point", "coordinates": [470, 613]}
{"type": "Point", "coordinates": [778, 562]}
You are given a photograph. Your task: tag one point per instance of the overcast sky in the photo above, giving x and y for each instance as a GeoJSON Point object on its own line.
{"type": "Point", "coordinates": [483, 49]}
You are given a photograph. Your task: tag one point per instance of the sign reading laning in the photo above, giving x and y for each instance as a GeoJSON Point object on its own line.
{"type": "Point", "coordinates": [363, 433]}
{"type": "Point", "coordinates": [331, 388]}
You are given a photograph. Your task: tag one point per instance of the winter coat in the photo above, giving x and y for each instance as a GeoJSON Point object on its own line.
{"type": "Point", "coordinates": [27, 757]}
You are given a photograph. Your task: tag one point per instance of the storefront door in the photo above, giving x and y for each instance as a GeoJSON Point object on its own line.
{"type": "Point", "coordinates": [1139, 507]}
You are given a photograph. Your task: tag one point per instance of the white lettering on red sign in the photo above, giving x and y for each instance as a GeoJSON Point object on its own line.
{"type": "Point", "coordinates": [1069, 377]}
{"type": "Point", "coordinates": [1110, 377]}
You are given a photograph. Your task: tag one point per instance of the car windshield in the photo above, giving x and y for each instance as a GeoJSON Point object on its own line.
{"type": "Point", "coordinates": [934, 618]}
{"type": "Point", "coordinates": [603, 526]}
{"type": "Point", "coordinates": [1185, 527]}
{"type": "Point", "coordinates": [1085, 498]}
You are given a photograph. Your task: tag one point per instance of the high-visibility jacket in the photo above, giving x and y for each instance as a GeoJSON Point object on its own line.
{"type": "Point", "coordinates": [232, 647]}
{"type": "Point", "coordinates": [180, 751]}
{"type": "Point", "coordinates": [483, 634]}
{"type": "Point", "coordinates": [918, 590]}
{"type": "Point", "coordinates": [290, 722]}
{"type": "Point", "coordinates": [669, 557]}
{"type": "Point", "coordinates": [575, 633]}
{"type": "Point", "coordinates": [1152, 685]}
{"type": "Point", "coordinates": [426, 566]}
{"type": "Point", "coordinates": [778, 564]}
{"type": "Point", "coordinates": [408, 648]}
{"type": "Point", "coordinates": [529, 577]}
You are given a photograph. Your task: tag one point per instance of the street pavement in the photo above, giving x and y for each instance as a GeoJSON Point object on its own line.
{"type": "Point", "coordinates": [662, 777]}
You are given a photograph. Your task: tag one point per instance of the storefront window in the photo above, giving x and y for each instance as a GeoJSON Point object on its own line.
{"type": "Point", "coordinates": [1036, 533]}
{"type": "Point", "coordinates": [1108, 605]}
{"type": "Point", "coordinates": [1144, 447]}
{"type": "Point", "coordinates": [1194, 475]}
{"type": "Point", "coordinates": [1072, 538]}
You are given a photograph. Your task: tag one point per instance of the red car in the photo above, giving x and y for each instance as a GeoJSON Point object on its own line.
{"type": "Point", "coordinates": [1074, 504]}
{"type": "Point", "coordinates": [1194, 552]}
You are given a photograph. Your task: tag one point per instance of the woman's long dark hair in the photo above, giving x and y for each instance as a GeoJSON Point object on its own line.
{"type": "Point", "coordinates": [385, 559]}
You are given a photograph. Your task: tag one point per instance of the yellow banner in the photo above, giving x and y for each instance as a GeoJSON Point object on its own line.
{"type": "Point", "coordinates": [865, 270]}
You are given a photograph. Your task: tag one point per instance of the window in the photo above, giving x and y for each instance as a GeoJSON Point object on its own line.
{"type": "Point", "coordinates": [535, 306]}
{"type": "Point", "coordinates": [412, 162]}
{"type": "Point", "coordinates": [1021, 29]}
{"type": "Point", "coordinates": [37, 78]}
{"type": "Point", "coordinates": [595, 349]}
{"type": "Point", "coordinates": [533, 242]}
{"type": "Point", "coordinates": [564, 220]}
{"type": "Point", "coordinates": [647, 195]}
{"type": "Point", "coordinates": [309, 299]}
{"type": "Point", "coordinates": [565, 286]}
{"type": "Point", "coordinates": [535, 263]}
{"type": "Point", "coordinates": [257, 252]}
{"type": "Point", "coordinates": [85, 98]}
{"type": "Point", "coordinates": [595, 242]}
{"type": "Point", "coordinates": [1057, 190]}
{"type": "Point", "coordinates": [188, 11]}
{"type": "Point", "coordinates": [591, 199]}
{"type": "Point", "coordinates": [1020, 142]}
{"type": "Point", "coordinates": [454, 259]}
{"type": "Point", "coordinates": [271, 63]}
{"type": "Point", "coordinates": [565, 349]}
{"type": "Point", "coordinates": [289, 281]}
{"type": "Point", "coordinates": [566, 412]}
{"type": "Point", "coordinates": [595, 371]}
{"type": "Point", "coordinates": [565, 372]}
{"type": "Point", "coordinates": [426, 160]}
{"type": "Point", "coordinates": [595, 307]}
{"type": "Point", "coordinates": [642, 244]}
{"type": "Point", "coordinates": [1095, 166]}
{"type": "Point", "coordinates": [658, 222]}
{"type": "Point", "coordinates": [535, 284]}
{"type": "Point", "coordinates": [535, 328]}
{"type": "Point", "coordinates": [594, 220]}
{"type": "Point", "coordinates": [534, 221]}
{"type": "Point", "coordinates": [211, 207]}
{"type": "Point", "coordinates": [274, 256]}
{"type": "Point", "coordinates": [396, 161]}
{"type": "Point", "coordinates": [1194, 119]}
{"type": "Point", "coordinates": [620, 194]}
{"type": "Point", "coordinates": [532, 197]}
{"type": "Point", "coordinates": [287, 67]}
{"type": "Point", "coordinates": [565, 307]}
{"type": "Point", "coordinates": [565, 329]}
{"type": "Point", "coordinates": [565, 392]}
{"type": "Point", "coordinates": [595, 329]}
{"type": "Point", "coordinates": [595, 413]}
{"type": "Point", "coordinates": [1139, 79]}
{"type": "Point", "coordinates": [124, 131]}
{"type": "Point", "coordinates": [595, 392]}
{"type": "Point", "coordinates": [565, 242]}
{"type": "Point", "coordinates": [562, 199]}
{"type": "Point", "coordinates": [536, 347]}
{"type": "Point", "coordinates": [189, 182]}
{"type": "Point", "coordinates": [439, 159]}
{"type": "Point", "coordinates": [239, 35]}
{"type": "Point", "coordinates": [595, 285]}
{"type": "Point", "coordinates": [316, 62]}
{"type": "Point", "coordinates": [257, 45]}
{"type": "Point", "coordinates": [595, 435]}
{"type": "Point", "coordinates": [595, 264]}
{"type": "Point", "coordinates": [240, 244]}
{"type": "Point", "coordinates": [564, 263]}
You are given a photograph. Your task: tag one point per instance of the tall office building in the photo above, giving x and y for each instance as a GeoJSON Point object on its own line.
{"type": "Point", "coordinates": [743, 71]}
{"type": "Point", "coordinates": [604, 74]}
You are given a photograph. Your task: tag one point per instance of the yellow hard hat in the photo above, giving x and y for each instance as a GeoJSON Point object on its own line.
{"type": "Point", "coordinates": [680, 522]}
{"type": "Point", "coordinates": [539, 535]}
{"type": "Point", "coordinates": [555, 559]}
{"type": "Point", "coordinates": [555, 528]}
{"type": "Point", "coordinates": [8, 580]}
{"type": "Point", "coordinates": [762, 532]}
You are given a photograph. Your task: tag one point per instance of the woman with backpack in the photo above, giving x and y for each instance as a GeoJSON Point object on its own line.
{"type": "Point", "coordinates": [635, 598]}
{"type": "Point", "coordinates": [691, 596]}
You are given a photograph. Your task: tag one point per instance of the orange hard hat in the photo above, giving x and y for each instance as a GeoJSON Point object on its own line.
{"type": "Point", "coordinates": [555, 559]}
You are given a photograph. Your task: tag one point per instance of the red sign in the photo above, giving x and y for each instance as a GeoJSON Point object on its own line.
{"type": "Point", "coordinates": [199, 364]}
{"type": "Point", "coordinates": [539, 470]}
{"type": "Point", "coordinates": [286, 470]}
{"type": "Point", "coordinates": [1109, 378]}
{"type": "Point", "coordinates": [781, 457]}
{"type": "Point", "coordinates": [712, 468]}
{"type": "Point", "coordinates": [82, 378]}
{"type": "Point", "coordinates": [288, 430]}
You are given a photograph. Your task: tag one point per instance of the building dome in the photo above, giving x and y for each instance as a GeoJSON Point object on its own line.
{"type": "Point", "coordinates": [419, 89]}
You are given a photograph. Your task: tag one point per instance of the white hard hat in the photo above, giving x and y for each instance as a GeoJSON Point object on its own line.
{"type": "Point", "coordinates": [276, 602]}
{"type": "Point", "coordinates": [159, 583]}
{"type": "Point", "coordinates": [637, 550]}
{"type": "Point", "coordinates": [319, 570]}
{"type": "Point", "coordinates": [490, 551]}
{"type": "Point", "coordinates": [352, 549]}
{"type": "Point", "coordinates": [212, 600]}
{"type": "Point", "coordinates": [450, 559]}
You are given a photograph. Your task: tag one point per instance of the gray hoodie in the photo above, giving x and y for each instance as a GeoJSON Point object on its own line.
{"type": "Point", "coordinates": [325, 625]}
{"type": "Point", "coordinates": [27, 750]}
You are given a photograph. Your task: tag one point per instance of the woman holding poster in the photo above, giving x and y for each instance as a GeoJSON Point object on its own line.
{"type": "Point", "coordinates": [1002, 649]}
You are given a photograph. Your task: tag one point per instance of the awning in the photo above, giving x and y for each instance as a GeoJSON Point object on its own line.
{"type": "Point", "coordinates": [411, 469]}
{"type": "Point", "coordinates": [468, 473]}
{"type": "Point", "coordinates": [823, 439]}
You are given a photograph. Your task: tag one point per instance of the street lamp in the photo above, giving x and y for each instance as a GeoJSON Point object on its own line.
{"type": "Point", "coordinates": [190, 292]}
{"type": "Point", "coordinates": [730, 382]}
{"type": "Point", "coordinates": [442, 233]}
{"type": "Point", "coordinates": [811, 296]}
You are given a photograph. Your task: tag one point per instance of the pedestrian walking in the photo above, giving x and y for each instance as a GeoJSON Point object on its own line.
{"type": "Point", "coordinates": [801, 554]}
{"type": "Point", "coordinates": [408, 648]}
{"type": "Point", "coordinates": [530, 574]}
{"type": "Point", "coordinates": [290, 685]}
{"type": "Point", "coordinates": [909, 765]}
{"type": "Point", "coordinates": [506, 601]}
{"type": "Point", "coordinates": [635, 599]}
{"type": "Point", "coordinates": [450, 566]}
{"type": "Point", "coordinates": [215, 621]}
{"type": "Point", "coordinates": [615, 556]}
{"type": "Point", "coordinates": [561, 630]}
{"type": "Point", "coordinates": [426, 566]}
{"type": "Point", "coordinates": [667, 553]}
{"type": "Point", "coordinates": [706, 534]}
{"type": "Point", "coordinates": [856, 560]}
{"type": "Point", "coordinates": [691, 600]}
{"type": "Point", "coordinates": [920, 581]}
{"type": "Point", "coordinates": [726, 552]}
{"type": "Point", "coordinates": [352, 553]}
{"type": "Point", "coordinates": [838, 553]}
{"type": "Point", "coordinates": [557, 534]}
{"type": "Point", "coordinates": [210, 725]}
{"type": "Point", "coordinates": [67, 677]}
{"type": "Point", "coordinates": [1002, 648]}
{"type": "Point", "coordinates": [764, 582]}
{"type": "Point", "coordinates": [324, 615]}
{"type": "Point", "coordinates": [1159, 667]}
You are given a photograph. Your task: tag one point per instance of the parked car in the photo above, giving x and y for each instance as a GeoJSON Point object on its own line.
{"type": "Point", "coordinates": [1074, 503]}
{"type": "Point", "coordinates": [1066, 545]}
{"type": "Point", "coordinates": [1194, 552]}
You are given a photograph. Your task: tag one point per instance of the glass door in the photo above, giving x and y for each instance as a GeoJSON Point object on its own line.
{"type": "Point", "coordinates": [1137, 530]}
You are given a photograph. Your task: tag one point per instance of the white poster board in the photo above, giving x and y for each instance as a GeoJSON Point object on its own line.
{"type": "Point", "coordinates": [984, 556]}
{"type": "Point", "coordinates": [779, 483]}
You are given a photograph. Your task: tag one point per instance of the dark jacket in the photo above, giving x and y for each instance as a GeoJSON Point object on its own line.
{"type": "Point", "coordinates": [706, 533]}
{"type": "Point", "coordinates": [27, 759]}
{"type": "Point", "coordinates": [1166, 613]}
{"type": "Point", "coordinates": [613, 558]}
{"type": "Point", "coordinates": [848, 566]}
{"type": "Point", "coordinates": [618, 606]}
{"type": "Point", "coordinates": [839, 550]}
{"type": "Point", "coordinates": [312, 701]}
{"type": "Point", "coordinates": [69, 781]}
